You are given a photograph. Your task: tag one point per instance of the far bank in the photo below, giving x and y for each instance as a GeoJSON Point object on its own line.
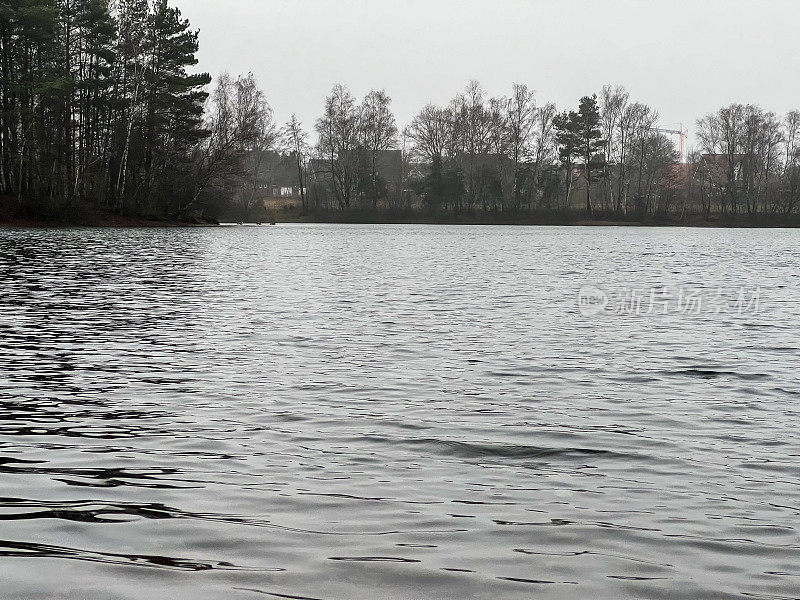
{"type": "Point", "coordinates": [529, 218]}
{"type": "Point", "coordinates": [16, 214]}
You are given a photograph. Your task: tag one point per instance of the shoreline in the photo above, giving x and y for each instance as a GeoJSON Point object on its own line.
{"type": "Point", "coordinates": [119, 223]}
{"type": "Point", "coordinates": [18, 214]}
{"type": "Point", "coordinates": [125, 222]}
{"type": "Point", "coordinates": [534, 219]}
{"type": "Point", "coordinates": [14, 218]}
{"type": "Point", "coordinates": [93, 216]}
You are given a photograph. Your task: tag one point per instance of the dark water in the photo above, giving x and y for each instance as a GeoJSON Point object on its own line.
{"type": "Point", "coordinates": [348, 412]}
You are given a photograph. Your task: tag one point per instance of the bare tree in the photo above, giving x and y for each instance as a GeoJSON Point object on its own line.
{"type": "Point", "coordinates": [242, 127]}
{"type": "Point", "coordinates": [433, 135]}
{"type": "Point", "coordinates": [472, 134]}
{"type": "Point", "coordinates": [647, 150]}
{"type": "Point", "coordinates": [635, 129]}
{"type": "Point", "coordinates": [721, 136]}
{"type": "Point", "coordinates": [613, 105]}
{"type": "Point", "coordinates": [791, 165]}
{"type": "Point", "coordinates": [296, 142]}
{"type": "Point", "coordinates": [521, 120]}
{"type": "Point", "coordinates": [544, 152]}
{"type": "Point", "coordinates": [498, 170]}
{"type": "Point", "coordinates": [743, 144]}
{"type": "Point", "coordinates": [429, 131]}
{"type": "Point", "coordinates": [338, 131]}
{"type": "Point", "coordinates": [377, 132]}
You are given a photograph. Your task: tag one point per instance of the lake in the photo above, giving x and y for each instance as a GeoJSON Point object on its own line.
{"type": "Point", "coordinates": [344, 412]}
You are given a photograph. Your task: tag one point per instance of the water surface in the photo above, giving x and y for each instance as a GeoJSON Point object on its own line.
{"type": "Point", "coordinates": [398, 412]}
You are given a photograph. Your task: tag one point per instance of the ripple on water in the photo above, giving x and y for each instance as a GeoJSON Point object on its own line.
{"type": "Point", "coordinates": [346, 412]}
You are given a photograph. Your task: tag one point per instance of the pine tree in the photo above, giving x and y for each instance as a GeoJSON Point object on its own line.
{"type": "Point", "coordinates": [587, 129]}
{"type": "Point", "coordinates": [578, 136]}
{"type": "Point", "coordinates": [568, 146]}
{"type": "Point", "coordinates": [132, 21]}
{"type": "Point", "coordinates": [96, 103]}
{"type": "Point", "coordinates": [175, 99]}
{"type": "Point", "coordinates": [97, 34]}
{"type": "Point", "coordinates": [29, 82]}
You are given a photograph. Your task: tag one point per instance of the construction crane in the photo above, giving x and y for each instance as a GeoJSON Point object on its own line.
{"type": "Point", "coordinates": [683, 133]}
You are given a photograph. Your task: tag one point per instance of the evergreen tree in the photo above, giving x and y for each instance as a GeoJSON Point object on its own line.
{"type": "Point", "coordinates": [132, 19]}
{"type": "Point", "coordinates": [175, 102]}
{"type": "Point", "coordinates": [97, 104]}
{"type": "Point", "coordinates": [568, 143]}
{"type": "Point", "coordinates": [95, 91]}
{"type": "Point", "coordinates": [587, 127]}
{"type": "Point", "coordinates": [27, 46]}
{"type": "Point", "coordinates": [579, 136]}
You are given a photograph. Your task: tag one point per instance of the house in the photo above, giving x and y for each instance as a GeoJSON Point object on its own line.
{"type": "Point", "coordinates": [675, 176]}
{"type": "Point", "coordinates": [275, 175]}
{"type": "Point", "coordinates": [387, 164]}
{"type": "Point", "coordinates": [722, 169]}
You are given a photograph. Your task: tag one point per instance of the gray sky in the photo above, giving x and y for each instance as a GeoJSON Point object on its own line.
{"type": "Point", "coordinates": [683, 57]}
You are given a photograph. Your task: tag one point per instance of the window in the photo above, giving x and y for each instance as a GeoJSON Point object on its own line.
{"type": "Point", "coordinates": [286, 191]}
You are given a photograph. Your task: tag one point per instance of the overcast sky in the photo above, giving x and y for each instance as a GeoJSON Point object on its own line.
{"type": "Point", "coordinates": [684, 57]}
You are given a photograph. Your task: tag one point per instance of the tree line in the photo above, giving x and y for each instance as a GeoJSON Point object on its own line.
{"type": "Point", "coordinates": [97, 104]}
{"type": "Point", "coordinates": [100, 107]}
{"type": "Point", "coordinates": [509, 155]}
